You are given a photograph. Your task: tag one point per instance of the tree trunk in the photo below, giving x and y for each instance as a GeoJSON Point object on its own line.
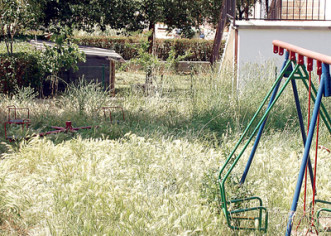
{"type": "Point", "coordinates": [6, 36]}
{"type": "Point", "coordinates": [151, 37]}
{"type": "Point", "coordinates": [11, 43]}
{"type": "Point", "coordinates": [219, 33]}
{"type": "Point", "coordinates": [246, 10]}
{"type": "Point", "coordinates": [7, 46]}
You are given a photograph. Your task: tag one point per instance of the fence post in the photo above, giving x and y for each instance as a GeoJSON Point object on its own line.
{"type": "Point", "coordinates": [112, 76]}
{"type": "Point", "coordinates": [103, 77]}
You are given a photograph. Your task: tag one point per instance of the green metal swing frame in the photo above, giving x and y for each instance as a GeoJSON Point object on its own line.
{"type": "Point", "coordinates": [234, 216]}
{"type": "Point", "coordinates": [318, 213]}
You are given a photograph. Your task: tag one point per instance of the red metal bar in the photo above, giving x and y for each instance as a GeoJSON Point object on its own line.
{"type": "Point", "coordinates": [301, 60]}
{"type": "Point", "coordinates": [319, 67]}
{"type": "Point", "coordinates": [68, 128]}
{"type": "Point", "coordinates": [83, 127]}
{"type": "Point", "coordinates": [68, 125]}
{"type": "Point", "coordinates": [56, 127]}
{"type": "Point", "coordinates": [5, 126]}
{"type": "Point", "coordinates": [310, 63]}
{"type": "Point", "coordinates": [324, 148]}
{"type": "Point", "coordinates": [281, 51]}
{"type": "Point", "coordinates": [292, 56]}
{"type": "Point", "coordinates": [15, 110]}
{"type": "Point", "coordinates": [64, 129]}
{"type": "Point", "coordinates": [49, 132]}
{"type": "Point", "coordinates": [110, 117]}
{"type": "Point", "coordinates": [11, 108]}
{"type": "Point", "coordinates": [17, 120]}
{"type": "Point", "coordinates": [304, 52]}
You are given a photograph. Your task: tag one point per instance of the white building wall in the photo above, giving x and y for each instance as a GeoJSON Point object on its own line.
{"type": "Point", "coordinates": [255, 41]}
{"type": "Point", "coordinates": [328, 10]}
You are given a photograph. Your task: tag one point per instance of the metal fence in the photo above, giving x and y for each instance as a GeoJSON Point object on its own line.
{"type": "Point", "coordinates": [310, 10]}
{"type": "Point", "coordinates": [98, 74]}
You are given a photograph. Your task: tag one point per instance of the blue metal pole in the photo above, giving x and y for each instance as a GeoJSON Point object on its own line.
{"type": "Point", "coordinates": [258, 137]}
{"type": "Point", "coordinates": [305, 157]}
{"type": "Point", "coordinates": [327, 79]}
{"type": "Point", "coordinates": [302, 127]}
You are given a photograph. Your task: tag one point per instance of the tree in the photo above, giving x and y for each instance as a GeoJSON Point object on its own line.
{"type": "Point", "coordinates": [219, 33]}
{"type": "Point", "coordinates": [244, 6]}
{"type": "Point", "coordinates": [131, 15]}
{"type": "Point", "coordinates": [63, 55]}
{"type": "Point", "coordinates": [182, 14]}
{"type": "Point", "coordinates": [85, 14]}
{"type": "Point", "coordinates": [121, 14]}
{"type": "Point", "coordinates": [15, 15]}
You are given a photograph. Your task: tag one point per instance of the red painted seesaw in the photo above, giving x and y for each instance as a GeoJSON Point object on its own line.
{"type": "Point", "coordinates": [66, 129]}
{"type": "Point", "coordinates": [14, 118]}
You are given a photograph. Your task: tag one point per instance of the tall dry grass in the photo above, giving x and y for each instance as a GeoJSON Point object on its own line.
{"type": "Point", "coordinates": [156, 172]}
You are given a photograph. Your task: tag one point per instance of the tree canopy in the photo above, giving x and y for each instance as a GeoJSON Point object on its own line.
{"type": "Point", "coordinates": [132, 15]}
{"type": "Point", "coordinates": [244, 6]}
{"type": "Point", "coordinates": [15, 16]}
{"type": "Point", "coordinates": [125, 14]}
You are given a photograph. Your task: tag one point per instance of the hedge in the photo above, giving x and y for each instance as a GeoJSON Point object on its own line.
{"type": "Point", "coordinates": [20, 69]}
{"type": "Point", "coordinates": [127, 47]}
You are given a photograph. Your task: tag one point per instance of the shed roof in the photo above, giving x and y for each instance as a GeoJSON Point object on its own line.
{"type": "Point", "coordinates": [89, 51]}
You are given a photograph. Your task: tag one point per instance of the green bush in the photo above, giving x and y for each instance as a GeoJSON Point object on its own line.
{"type": "Point", "coordinates": [20, 70]}
{"type": "Point", "coordinates": [128, 47]}
{"type": "Point", "coordinates": [28, 67]}
{"type": "Point", "coordinates": [200, 49]}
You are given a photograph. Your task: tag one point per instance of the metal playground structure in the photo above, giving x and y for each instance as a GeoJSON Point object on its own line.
{"type": "Point", "coordinates": [298, 66]}
{"type": "Point", "coordinates": [21, 117]}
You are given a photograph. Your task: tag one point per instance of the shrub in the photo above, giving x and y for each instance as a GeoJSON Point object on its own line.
{"type": "Point", "coordinates": [20, 69]}
{"type": "Point", "coordinates": [200, 49]}
{"type": "Point", "coordinates": [28, 67]}
{"type": "Point", "coordinates": [128, 47]}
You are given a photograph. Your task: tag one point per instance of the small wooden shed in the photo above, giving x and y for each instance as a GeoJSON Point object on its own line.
{"type": "Point", "coordinates": [99, 66]}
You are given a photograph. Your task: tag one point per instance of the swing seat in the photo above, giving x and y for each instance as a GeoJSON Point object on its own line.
{"type": "Point", "coordinates": [14, 112]}
{"type": "Point", "coordinates": [19, 121]}
{"type": "Point", "coordinates": [324, 222]}
{"type": "Point", "coordinates": [252, 218]}
{"type": "Point", "coordinates": [14, 117]}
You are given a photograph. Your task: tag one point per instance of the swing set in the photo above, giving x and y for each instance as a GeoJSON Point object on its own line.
{"type": "Point", "coordinates": [237, 214]}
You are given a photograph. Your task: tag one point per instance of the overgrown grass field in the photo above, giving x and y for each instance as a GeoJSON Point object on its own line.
{"type": "Point", "coordinates": [156, 172]}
